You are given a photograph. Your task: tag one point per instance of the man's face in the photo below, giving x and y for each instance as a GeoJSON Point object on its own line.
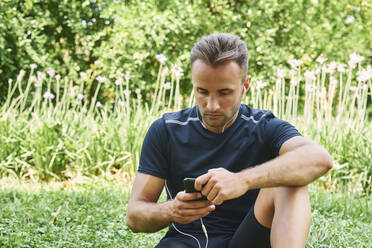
{"type": "Point", "coordinates": [218, 92]}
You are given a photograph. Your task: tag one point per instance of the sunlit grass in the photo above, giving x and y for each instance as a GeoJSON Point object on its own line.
{"type": "Point", "coordinates": [91, 213]}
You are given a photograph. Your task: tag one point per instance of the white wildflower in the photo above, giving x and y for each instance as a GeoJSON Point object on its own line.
{"type": "Point", "coordinates": [119, 81]}
{"type": "Point", "coordinates": [33, 66]}
{"type": "Point", "coordinates": [51, 72]}
{"type": "Point", "coordinates": [138, 91]}
{"type": "Point", "coordinates": [364, 75]}
{"type": "Point", "coordinates": [178, 72]}
{"type": "Point", "coordinates": [354, 89]}
{"type": "Point", "coordinates": [309, 75]}
{"type": "Point", "coordinates": [355, 59]}
{"type": "Point", "coordinates": [280, 73]}
{"type": "Point", "coordinates": [48, 95]}
{"type": "Point", "coordinates": [349, 19]}
{"type": "Point", "coordinates": [161, 58]}
{"type": "Point", "coordinates": [164, 72]}
{"type": "Point", "coordinates": [21, 75]}
{"type": "Point", "coordinates": [167, 85]}
{"type": "Point", "coordinates": [295, 63]}
{"type": "Point", "coordinates": [41, 75]}
{"type": "Point", "coordinates": [258, 49]}
{"type": "Point", "coordinates": [261, 85]}
{"type": "Point", "coordinates": [80, 96]}
{"type": "Point", "coordinates": [58, 77]}
{"type": "Point", "coordinates": [98, 104]}
{"type": "Point", "coordinates": [101, 79]}
{"type": "Point", "coordinates": [295, 81]}
{"type": "Point", "coordinates": [333, 81]}
{"type": "Point", "coordinates": [121, 103]}
{"type": "Point", "coordinates": [33, 79]}
{"type": "Point", "coordinates": [83, 75]}
{"type": "Point", "coordinates": [127, 93]}
{"type": "Point", "coordinates": [321, 59]}
{"type": "Point", "coordinates": [10, 81]}
{"type": "Point", "coordinates": [127, 75]}
{"type": "Point", "coordinates": [341, 67]}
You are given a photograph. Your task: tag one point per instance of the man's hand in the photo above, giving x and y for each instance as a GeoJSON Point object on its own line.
{"type": "Point", "coordinates": [220, 185]}
{"type": "Point", "coordinates": [186, 208]}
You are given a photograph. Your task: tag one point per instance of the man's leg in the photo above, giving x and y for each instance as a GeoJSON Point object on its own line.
{"type": "Point", "coordinates": [287, 211]}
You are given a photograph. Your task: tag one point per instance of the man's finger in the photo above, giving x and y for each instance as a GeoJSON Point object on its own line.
{"type": "Point", "coordinates": [201, 180]}
{"type": "Point", "coordinates": [183, 196]}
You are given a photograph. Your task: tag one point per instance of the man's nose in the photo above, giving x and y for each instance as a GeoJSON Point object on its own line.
{"type": "Point", "coordinates": [212, 104]}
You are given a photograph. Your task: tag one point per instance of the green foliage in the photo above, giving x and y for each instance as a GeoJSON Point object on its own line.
{"type": "Point", "coordinates": [92, 214]}
{"type": "Point", "coordinates": [127, 35]}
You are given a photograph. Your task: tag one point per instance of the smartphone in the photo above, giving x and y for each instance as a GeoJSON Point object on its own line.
{"type": "Point", "coordinates": [189, 185]}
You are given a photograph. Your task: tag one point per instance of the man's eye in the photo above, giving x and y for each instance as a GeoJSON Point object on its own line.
{"type": "Point", "coordinates": [203, 92]}
{"type": "Point", "coordinates": [224, 93]}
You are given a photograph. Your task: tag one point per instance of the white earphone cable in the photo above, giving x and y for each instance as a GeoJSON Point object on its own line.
{"type": "Point", "coordinates": [187, 234]}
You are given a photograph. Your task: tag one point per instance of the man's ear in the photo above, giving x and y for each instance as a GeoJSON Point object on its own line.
{"type": "Point", "coordinates": [247, 82]}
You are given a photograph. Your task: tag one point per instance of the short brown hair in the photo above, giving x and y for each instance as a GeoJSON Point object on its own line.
{"type": "Point", "coordinates": [216, 49]}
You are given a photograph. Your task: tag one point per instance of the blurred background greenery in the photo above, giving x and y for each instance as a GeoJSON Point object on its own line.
{"type": "Point", "coordinates": [112, 37]}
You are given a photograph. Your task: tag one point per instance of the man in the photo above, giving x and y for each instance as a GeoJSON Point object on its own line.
{"type": "Point", "coordinates": [252, 167]}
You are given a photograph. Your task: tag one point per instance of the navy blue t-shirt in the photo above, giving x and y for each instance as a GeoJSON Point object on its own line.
{"type": "Point", "coordinates": [178, 146]}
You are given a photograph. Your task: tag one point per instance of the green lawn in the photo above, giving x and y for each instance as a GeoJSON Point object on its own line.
{"type": "Point", "coordinates": [92, 214]}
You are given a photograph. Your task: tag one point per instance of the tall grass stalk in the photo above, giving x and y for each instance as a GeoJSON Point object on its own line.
{"type": "Point", "coordinates": [45, 137]}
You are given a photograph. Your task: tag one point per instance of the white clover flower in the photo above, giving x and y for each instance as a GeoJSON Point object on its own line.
{"type": "Point", "coordinates": [83, 75]}
{"type": "Point", "coordinates": [80, 96]}
{"type": "Point", "coordinates": [161, 58]}
{"type": "Point", "coordinates": [101, 79]}
{"type": "Point", "coordinates": [295, 63]}
{"type": "Point", "coordinates": [121, 103]}
{"type": "Point", "coordinates": [33, 66]}
{"type": "Point", "coordinates": [292, 72]}
{"type": "Point", "coordinates": [37, 83]}
{"type": "Point", "coordinates": [341, 67]}
{"type": "Point", "coordinates": [178, 72]}
{"type": "Point", "coordinates": [98, 104]}
{"type": "Point", "coordinates": [84, 22]}
{"type": "Point", "coordinates": [138, 91]}
{"type": "Point", "coordinates": [364, 75]}
{"type": "Point", "coordinates": [127, 93]}
{"type": "Point", "coordinates": [48, 95]}
{"type": "Point", "coordinates": [258, 49]}
{"type": "Point", "coordinates": [167, 85]}
{"type": "Point", "coordinates": [10, 81]}
{"type": "Point", "coordinates": [321, 59]}
{"type": "Point", "coordinates": [58, 77]}
{"type": "Point", "coordinates": [21, 75]}
{"type": "Point", "coordinates": [84, 110]}
{"type": "Point", "coordinates": [309, 75]}
{"type": "Point", "coordinates": [280, 73]}
{"type": "Point", "coordinates": [349, 19]}
{"type": "Point", "coordinates": [355, 59]}
{"type": "Point", "coordinates": [51, 72]}
{"type": "Point", "coordinates": [118, 81]}
{"type": "Point", "coordinates": [107, 22]}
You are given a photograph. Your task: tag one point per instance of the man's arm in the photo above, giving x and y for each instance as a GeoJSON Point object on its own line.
{"type": "Point", "coordinates": [300, 162]}
{"type": "Point", "coordinates": [144, 214]}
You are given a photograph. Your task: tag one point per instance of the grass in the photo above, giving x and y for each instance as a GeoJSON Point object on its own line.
{"type": "Point", "coordinates": [91, 213]}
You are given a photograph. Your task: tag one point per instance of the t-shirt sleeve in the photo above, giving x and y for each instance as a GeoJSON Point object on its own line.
{"type": "Point", "coordinates": [277, 132]}
{"type": "Point", "coordinates": [153, 158]}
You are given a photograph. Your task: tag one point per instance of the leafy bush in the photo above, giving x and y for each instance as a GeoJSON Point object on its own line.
{"type": "Point", "coordinates": [127, 35]}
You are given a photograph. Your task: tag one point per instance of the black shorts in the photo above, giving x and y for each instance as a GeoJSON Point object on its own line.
{"type": "Point", "coordinates": [250, 233]}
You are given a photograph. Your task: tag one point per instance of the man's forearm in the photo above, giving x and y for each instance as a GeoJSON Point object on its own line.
{"type": "Point", "coordinates": [294, 168]}
{"type": "Point", "coordinates": [148, 217]}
